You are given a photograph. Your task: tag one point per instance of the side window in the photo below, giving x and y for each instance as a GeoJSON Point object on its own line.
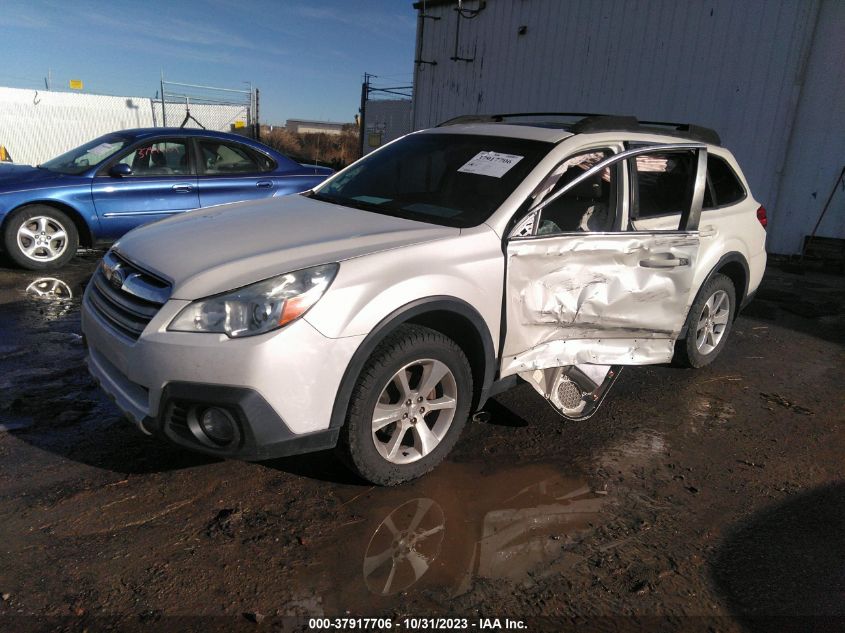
{"type": "Point", "coordinates": [723, 183]}
{"type": "Point", "coordinates": [163, 158]}
{"type": "Point", "coordinates": [662, 183]}
{"type": "Point", "coordinates": [265, 163]}
{"type": "Point", "coordinates": [588, 206]}
{"type": "Point", "coordinates": [227, 158]}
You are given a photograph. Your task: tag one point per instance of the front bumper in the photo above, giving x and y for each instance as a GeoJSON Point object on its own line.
{"type": "Point", "coordinates": [280, 387]}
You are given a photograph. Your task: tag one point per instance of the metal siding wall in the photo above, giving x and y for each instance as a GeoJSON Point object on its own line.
{"type": "Point", "coordinates": [817, 149]}
{"type": "Point", "coordinates": [733, 66]}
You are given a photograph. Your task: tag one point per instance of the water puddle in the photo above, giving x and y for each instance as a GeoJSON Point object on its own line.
{"type": "Point", "coordinates": [706, 410]}
{"type": "Point", "coordinates": [458, 524]}
{"type": "Point", "coordinates": [42, 376]}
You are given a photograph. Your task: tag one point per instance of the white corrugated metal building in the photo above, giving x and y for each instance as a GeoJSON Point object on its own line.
{"type": "Point", "coordinates": [768, 75]}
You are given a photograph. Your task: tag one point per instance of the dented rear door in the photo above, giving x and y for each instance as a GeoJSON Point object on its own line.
{"type": "Point", "coordinates": [616, 297]}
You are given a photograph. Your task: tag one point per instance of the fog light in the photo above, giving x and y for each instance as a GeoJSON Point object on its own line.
{"type": "Point", "coordinates": [218, 425]}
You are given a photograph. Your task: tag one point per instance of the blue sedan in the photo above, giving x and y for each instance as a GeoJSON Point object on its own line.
{"type": "Point", "coordinates": [97, 192]}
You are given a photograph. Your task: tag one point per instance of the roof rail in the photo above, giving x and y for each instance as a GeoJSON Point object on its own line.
{"type": "Point", "coordinates": [603, 123]}
{"type": "Point", "coordinates": [500, 118]}
{"type": "Point", "coordinates": [688, 130]}
{"type": "Point", "coordinates": [585, 123]}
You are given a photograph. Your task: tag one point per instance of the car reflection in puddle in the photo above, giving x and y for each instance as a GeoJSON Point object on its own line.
{"type": "Point", "coordinates": [49, 288]}
{"type": "Point", "coordinates": [404, 546]}
{"type": "Point", "coordinates": [464, 522]}
{"type": "Point", "coordinates": [54, 294]}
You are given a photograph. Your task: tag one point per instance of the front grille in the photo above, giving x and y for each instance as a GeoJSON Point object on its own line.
{"type": "Point", "coordinates": [125, 296]}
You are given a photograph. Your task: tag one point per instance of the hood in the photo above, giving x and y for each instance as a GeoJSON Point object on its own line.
{"type": "Point", "coordinates": [220, 248]}
{"type": "Point", "coordinates": [13, 177]}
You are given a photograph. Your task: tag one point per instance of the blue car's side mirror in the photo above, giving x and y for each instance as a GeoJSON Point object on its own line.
{"type": "Point", "coordinates": [120, 170]}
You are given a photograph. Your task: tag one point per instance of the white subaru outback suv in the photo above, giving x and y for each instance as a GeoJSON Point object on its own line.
{"type": "Point", "coordinates": [377, 311]}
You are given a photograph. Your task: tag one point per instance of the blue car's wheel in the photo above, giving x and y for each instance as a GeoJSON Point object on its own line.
{"type": "Point", "coordinates": [40, 237]}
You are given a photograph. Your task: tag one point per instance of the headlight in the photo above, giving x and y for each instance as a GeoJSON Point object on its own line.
{"type": "Point", "coordinates": [259, 307]}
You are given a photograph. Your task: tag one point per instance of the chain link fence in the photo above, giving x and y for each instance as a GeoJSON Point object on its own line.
{"type": "Point", "coordinates": [208, 107]}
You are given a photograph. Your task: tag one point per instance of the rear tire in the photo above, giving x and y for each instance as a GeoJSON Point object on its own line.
{"type": "Point", "coordinates": [708, 323]}
{"type": "Point", "coordinates": [40, 237]}
{"type": "Point", "coordinates": [408, 406]}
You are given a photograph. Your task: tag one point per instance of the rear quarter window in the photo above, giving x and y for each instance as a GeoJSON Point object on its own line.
{"type": "Point", "coordinates": [723, 185]}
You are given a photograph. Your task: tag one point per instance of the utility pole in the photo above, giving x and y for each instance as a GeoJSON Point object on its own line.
{"type": "Point", "coordinates": [163, 113]}
{"type": "Point", "coordinates": [257, 120]}
{"type": "Point", "coordinates": [365, 94]}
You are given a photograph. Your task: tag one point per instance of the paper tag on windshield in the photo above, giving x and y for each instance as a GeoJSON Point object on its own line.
{"type": "Point", "coordinates": [102, 148]}
{"type": "Point", "coordinates": [490, 164]}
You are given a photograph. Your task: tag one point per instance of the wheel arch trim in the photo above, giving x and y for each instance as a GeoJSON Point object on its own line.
{"type": "Point", "coordinates": [732, 257]}
{"type": "Point", "coordinates": [404, 314]}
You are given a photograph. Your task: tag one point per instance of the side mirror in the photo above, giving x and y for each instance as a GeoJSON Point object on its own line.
{"type": "Point", "coordinates": [120, 170]}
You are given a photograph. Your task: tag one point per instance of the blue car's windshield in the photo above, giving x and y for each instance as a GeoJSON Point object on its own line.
{"type": "Point", "coordinates": [86, 156]}
{"type": "Point", "coordinates": [449, 179]}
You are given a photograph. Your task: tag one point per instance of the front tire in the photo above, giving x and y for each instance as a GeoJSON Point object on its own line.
{"type": "Point", "coordinates": [708, 323]}
{"type": "Point", "coordinates": [408, 407]}
{"type": "Point", "coordinates": [40, 237]}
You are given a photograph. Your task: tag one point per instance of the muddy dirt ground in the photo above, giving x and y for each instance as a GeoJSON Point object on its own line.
{"type": "Point", "coordinates": [694, 499]}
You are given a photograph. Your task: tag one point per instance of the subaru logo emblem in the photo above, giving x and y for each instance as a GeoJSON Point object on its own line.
{"type": "Point", "coordinates": [116, 278]}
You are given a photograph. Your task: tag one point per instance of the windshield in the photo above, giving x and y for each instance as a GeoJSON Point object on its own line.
{"type": "Point", "coordinates": [86, 156]}
{"type": "Point", "coordinates": [449, 179]}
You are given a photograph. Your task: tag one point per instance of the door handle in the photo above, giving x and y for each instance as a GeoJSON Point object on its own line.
{"type": "Point", "coordinates": [664, 260]}
{"type": "Point", "coordinates": [183, 188]}
{"type": "Point", "coordinates": [264, 184]}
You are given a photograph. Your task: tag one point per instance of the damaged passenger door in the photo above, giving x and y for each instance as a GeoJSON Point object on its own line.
{"type": "Point", "coordinates": [585, 293]}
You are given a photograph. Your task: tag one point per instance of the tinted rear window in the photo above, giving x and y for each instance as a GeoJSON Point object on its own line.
{"type": "Point", "coordinates": [725, 185]}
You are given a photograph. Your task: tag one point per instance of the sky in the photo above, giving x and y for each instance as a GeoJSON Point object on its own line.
{"type": "Point", "coordinates": [306, 57]}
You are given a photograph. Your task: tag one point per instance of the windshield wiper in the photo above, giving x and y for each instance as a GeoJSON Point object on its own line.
{"type": "Point", "coordinates": [321, 197]}
{"type": "Point", "coordinates": [348, 202]}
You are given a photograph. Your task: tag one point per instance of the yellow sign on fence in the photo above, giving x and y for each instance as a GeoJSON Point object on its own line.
{"type": "Point", "coordinates": [239, 124]}
{"type": "Point", "coordinates": [75, 84]}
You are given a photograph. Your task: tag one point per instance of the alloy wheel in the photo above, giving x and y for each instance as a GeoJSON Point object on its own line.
{"type": "Point", "coordinates": [712, 322]}
{"type": "Point", "coordinates": [414, 411]}
{"type": "Point", "coordinates": [42, 238]}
